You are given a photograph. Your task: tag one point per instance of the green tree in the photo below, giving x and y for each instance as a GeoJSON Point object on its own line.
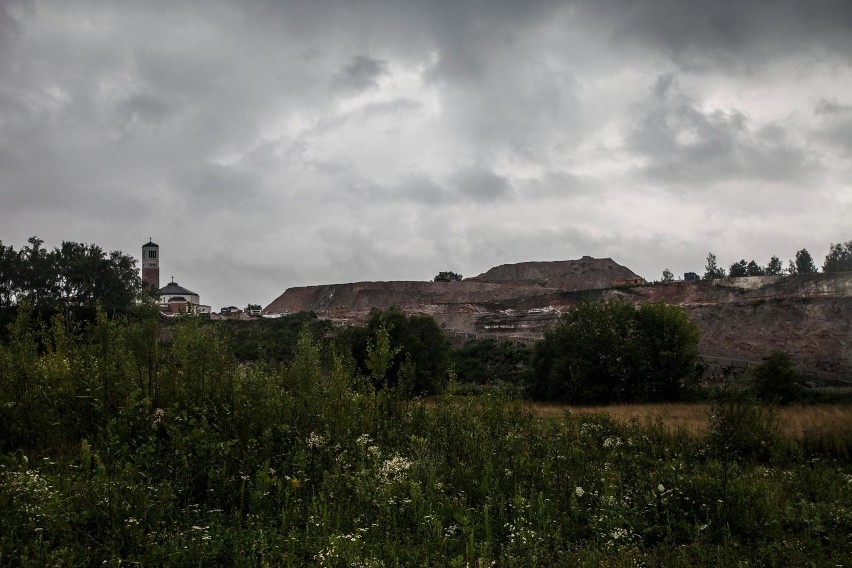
{"type": "Point", "coordinates": [38, 274]}
{"type": "Point", "coordinates": [667, 345]}
{"type": "Point", "coordinates": [380, 355]}
{"type": "Point", "coordinates": [606, 352]}
{"type": "Point", "coordinates": [839, 258]}
{"type": "Point", "coordinates": [487, 361]}
{"type": "Point", "coordinates": [447, 276]}
{"type": "Point", "coordinates": [9, 276]}
{"type": "Point", "coordinates": [712, 270]}
{"type": "Point", "coordinates": [668, 276]}
{"type": "Point", "coordinates": [738, 269]}
{"type": "Point", "coordinates": [742, 268]}
{"type": "Point", "coordinates": [418, 338]}
{"type": "Point", "coordinates": [776, 379]}
{"type": "Point", "coordinates": [754, 269]}
{"type": "Point", "coordinates": [775, 267]}
{"type": "Point", "coordinates": [804, 262]}
{"type": "Point", "coordinates": [72, 276]}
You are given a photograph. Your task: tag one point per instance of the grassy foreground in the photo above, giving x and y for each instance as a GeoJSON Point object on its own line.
{"type": "Point", "coordinates": [118, 454]}
{"type": "Point", "coordinates": [366, 480]}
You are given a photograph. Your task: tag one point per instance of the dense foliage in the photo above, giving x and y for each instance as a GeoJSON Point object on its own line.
{"type": "Point", "coordinates": [712, 270]}
{"type": "Point", "coordinates": [742, 268]}
{"type": "Point", "coordinates": [416, 349]}
{"type": "Point", "coordinates": [804, 263]}
{"type": "Point", "coordinates": [492, 362]}
{"type": "Point", "coordinates": [615, 352]}
{"type": "Point", "coordinates": [121, 444]}
{"type": "Point", "coordinates": [447, 276]}
{"type": "Point", "coordinates": [73, 275]}
{"type": "Point", "coordinates": [273, 340]}
{"type": "Point", "coordinates": [776, 379]}
{"type": "Point", "coordinates": [839, 258]}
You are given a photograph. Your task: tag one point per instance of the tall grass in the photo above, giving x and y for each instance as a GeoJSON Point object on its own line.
{"type": "Point", "coordinates": [177, 455]}
{"type": "Point", "coordinates": [796, 421]}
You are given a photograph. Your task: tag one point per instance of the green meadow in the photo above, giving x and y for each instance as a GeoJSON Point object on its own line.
{"type": "Point", "coordinates": [127, 443]}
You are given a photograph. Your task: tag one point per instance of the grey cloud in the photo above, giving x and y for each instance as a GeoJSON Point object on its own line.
{"type": "Point", "coordinates": [831, 106]}
{"type": "Point", "coordinates": [472, 185]}
{"type": "Point", "coordinates": [482, 185]}
{"type": "Point", "coordinates": [213, 187]}
{"type": "Point", "coordinates": [360, 73]}
{"type": "Point", "coordinates": [9, 25]}
{"type": "Point", "coordinates": [834, 125]}
{"type": "Point", "coordinates": [226, 120]}
{"type": "Point", "coordinates": [145, 108]}
{"type": "Point", "coordinates": [395, 106]}
{"type": "Point", "coordinates": [735, 35]}
{"type": "Point", "coordinates": [558, 184]}
{"type": "Point", "coordinates": [684, 143]}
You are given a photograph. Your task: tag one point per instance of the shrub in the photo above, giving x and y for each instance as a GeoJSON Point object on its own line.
{"type": "Point", "coordinates": [740, 428]}
{"type": "Point", "coordinates": [775, 380]}
{"type": "Point", "coordinates": [606, 352]}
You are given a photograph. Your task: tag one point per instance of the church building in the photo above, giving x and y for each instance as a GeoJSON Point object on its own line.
{"type": "Point", "coordinates": [173, 298]}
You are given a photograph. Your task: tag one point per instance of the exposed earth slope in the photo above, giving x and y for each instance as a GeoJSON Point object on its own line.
{"type": "Point", "coordinates": [809, 317]}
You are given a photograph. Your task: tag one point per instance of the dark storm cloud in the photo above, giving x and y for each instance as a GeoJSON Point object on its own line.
{"type": "Point", "coordinates": [683, 142]}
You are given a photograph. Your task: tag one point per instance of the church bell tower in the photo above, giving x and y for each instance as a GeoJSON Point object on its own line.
{"type": "Point", "coordinates": [151, 266]}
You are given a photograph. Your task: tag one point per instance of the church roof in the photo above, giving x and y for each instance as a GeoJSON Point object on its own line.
{"type": "Point", "coordinates": [151, 243]}
{"type": "Point", "coordinates": [174, 288]}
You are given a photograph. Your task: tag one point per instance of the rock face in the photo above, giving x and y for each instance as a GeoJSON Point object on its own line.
{"type": "Point", "coordinates": [809, 317]}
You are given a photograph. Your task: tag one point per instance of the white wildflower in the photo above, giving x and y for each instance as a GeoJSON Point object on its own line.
{"type": "Point", "coordinates": [394, 470]}
{"type": "Point", "coordinates": [314, 440]}
{"type": "Point", "coordinates": [363, 440]}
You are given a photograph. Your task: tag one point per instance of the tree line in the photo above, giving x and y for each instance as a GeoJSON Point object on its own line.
{"type": "Point", "coordinates": [838, 259]}
{"type": "Point", "coordinates": [71, 276]}
{"type": "Point", "coordinates": [596, 353]}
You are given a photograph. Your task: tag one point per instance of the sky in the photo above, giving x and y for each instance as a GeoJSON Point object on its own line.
{"type": "Point", "coordinates": [270, 144]}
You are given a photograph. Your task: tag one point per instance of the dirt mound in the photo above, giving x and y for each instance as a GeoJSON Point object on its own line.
{"type": "Point", "coordinates": [586, 273]}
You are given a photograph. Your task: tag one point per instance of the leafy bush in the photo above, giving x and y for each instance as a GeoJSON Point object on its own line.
{"type": "Point", "coordinates": [776, 379]}
{"type": "Point", "coordinates": [488, 362]}
{"type": "Point", "coordinates": [741, 428]}
{"type": "Point", "coordinates": [272, 340]}
{"type": "Point", "coordinates": [605, 352]}
{"type": "Point", "coordinates": [419, 345]}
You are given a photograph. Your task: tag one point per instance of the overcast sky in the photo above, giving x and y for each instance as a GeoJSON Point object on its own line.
{"type": "Point", "coordinates": [265, 145]}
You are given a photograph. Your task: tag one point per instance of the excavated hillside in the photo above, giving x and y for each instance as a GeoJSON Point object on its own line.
{"type": "Point", "coordinates": [809, 317]}
{"type": "Point", "coordinates": [585, 274]}
{"type": "Point", "coordinates": [461, 306]}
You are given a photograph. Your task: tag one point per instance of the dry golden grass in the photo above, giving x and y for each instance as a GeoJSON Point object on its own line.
{"type": "Point", "coordinates": [794, 420]}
